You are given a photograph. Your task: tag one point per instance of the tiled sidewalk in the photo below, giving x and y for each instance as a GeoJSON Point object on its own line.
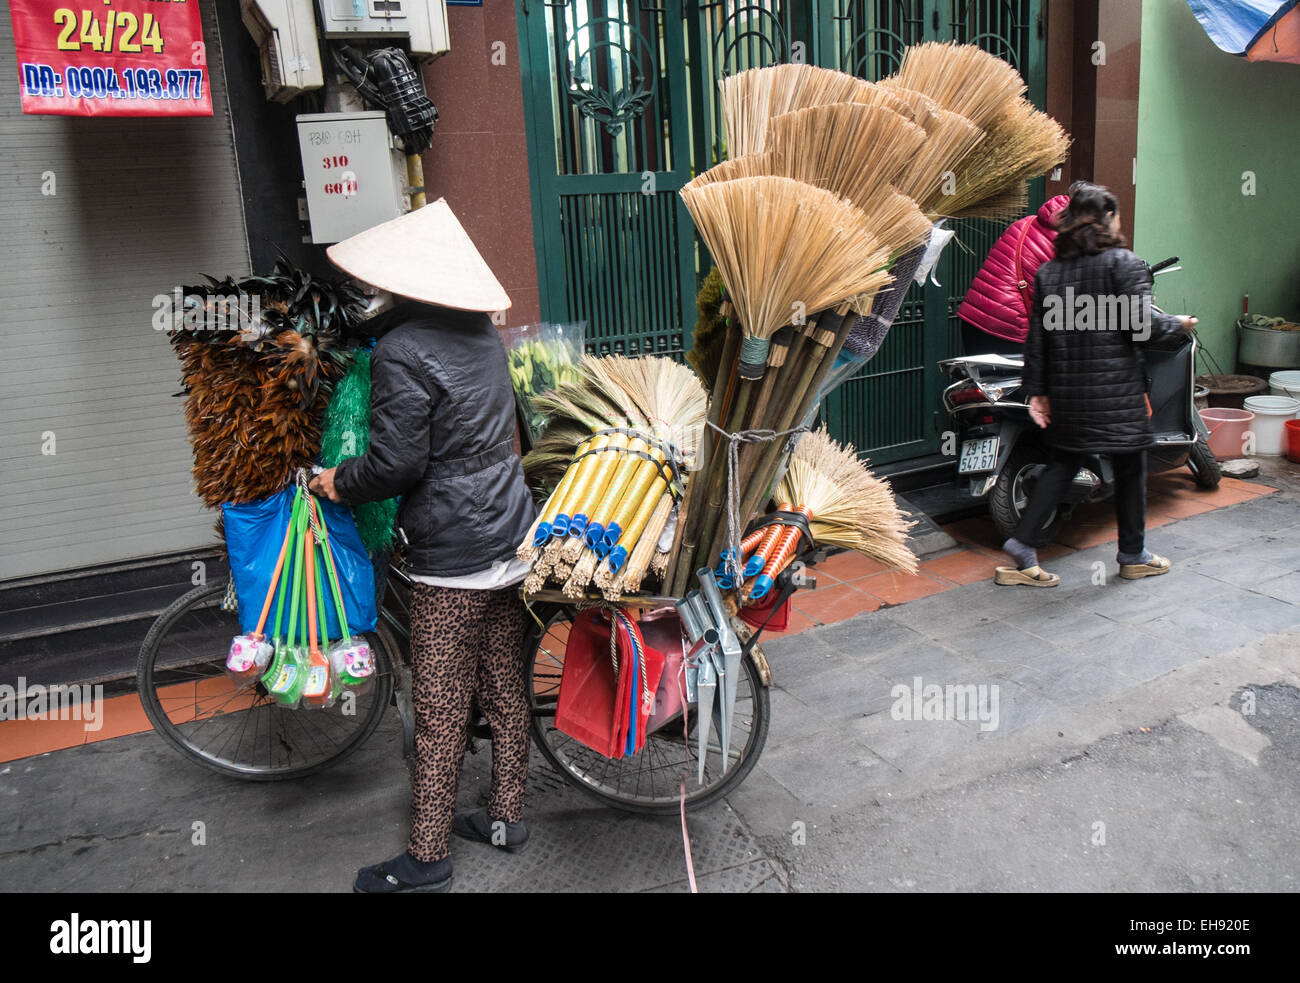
{"type": "Point", "coordinates": [849, 584]}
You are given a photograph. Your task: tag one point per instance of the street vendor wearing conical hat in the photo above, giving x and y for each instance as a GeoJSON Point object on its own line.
{"type": "Point", "coordinates": [442, 436]}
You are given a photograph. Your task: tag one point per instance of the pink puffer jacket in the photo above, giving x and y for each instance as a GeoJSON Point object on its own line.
{"type": "Point", "coordinates": [1002, 294]}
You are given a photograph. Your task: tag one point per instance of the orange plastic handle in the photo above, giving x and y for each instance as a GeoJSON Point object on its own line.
{"type": "Point", "coordinates": [771, 534]}
{"type": "Point", "coordinates": [275, 580]}
{"type": "Point", "coordinates": [786, 547]}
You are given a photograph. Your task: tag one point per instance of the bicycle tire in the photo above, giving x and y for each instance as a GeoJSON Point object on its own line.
{"type": "Point", "coordinates": [287, 726]}
{"type": "Point", "coordinates": [564, 755]}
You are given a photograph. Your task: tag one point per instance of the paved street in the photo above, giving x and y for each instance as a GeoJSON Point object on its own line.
{"type": "Point", "coordinates": [1146, 737]}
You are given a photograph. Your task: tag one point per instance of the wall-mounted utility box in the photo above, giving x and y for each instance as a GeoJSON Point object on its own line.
{"type": "Point", "coordinates": [424, 22]}
{"type": "Point", "coordinates": [355, 177]}
{"type": "Point", "coordinates": [285, 34]}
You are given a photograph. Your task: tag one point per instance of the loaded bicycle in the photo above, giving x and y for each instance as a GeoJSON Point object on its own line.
{"type": "Point", "coordinates": [244, 733]}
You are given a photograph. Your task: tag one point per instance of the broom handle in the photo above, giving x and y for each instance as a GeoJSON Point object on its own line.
{"type": "Point", "coordinates": [297, 580]}
{"type": "Point", "coordinates": [795, 403]}
{"type": "Point", "coordinates": [718, 471]}
{"type": "Point", "coordinates": [309, 558]}
{"type": "Point", "coordinates": [282, 590]}
{"type": "Point", "coordinates": [688, 520]}
{"type": "Point", "coordinates": [275, 579]}
{"type": "Point", "coordinates": [335, 589]}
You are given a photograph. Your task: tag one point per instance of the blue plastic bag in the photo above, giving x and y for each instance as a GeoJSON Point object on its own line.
{"type": "Point", "coordinates": [254, 535]}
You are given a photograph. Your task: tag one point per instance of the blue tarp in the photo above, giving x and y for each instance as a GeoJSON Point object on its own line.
{"type": "Point", "coordinates": [1235, 25]}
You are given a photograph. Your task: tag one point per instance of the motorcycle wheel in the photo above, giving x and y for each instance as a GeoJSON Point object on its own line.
{"type": "Point", "coordinates": [1203, 465]}
{"type": "Point", "coordinates": [1010, 495]}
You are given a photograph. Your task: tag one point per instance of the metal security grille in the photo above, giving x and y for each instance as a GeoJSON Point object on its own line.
{"type": "Point", "coordinates": [94, 458]}
{"type": "Point", "coordinates": [609, 146]}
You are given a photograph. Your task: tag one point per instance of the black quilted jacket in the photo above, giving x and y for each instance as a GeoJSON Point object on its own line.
{"type": "Point", "coordinates": [1091, 316]}
{"type": "Point", "coordinates": [442, 430]}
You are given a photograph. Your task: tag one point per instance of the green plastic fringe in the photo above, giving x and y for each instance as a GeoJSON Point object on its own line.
{"type": "Point", "coordinates": [346, 433]}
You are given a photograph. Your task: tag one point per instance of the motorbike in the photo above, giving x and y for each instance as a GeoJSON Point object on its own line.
{"type": "Point", "coordinates": [1000, 450]}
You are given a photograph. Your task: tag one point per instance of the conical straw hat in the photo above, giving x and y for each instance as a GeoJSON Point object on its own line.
{"type": "Point", "coordinates": [425, 255]}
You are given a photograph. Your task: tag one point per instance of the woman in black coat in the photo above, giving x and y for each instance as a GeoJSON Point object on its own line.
{"type": "Point", "coordinates": [442, 435]}
{"type": "Point", "coordinates": [1085, 378]}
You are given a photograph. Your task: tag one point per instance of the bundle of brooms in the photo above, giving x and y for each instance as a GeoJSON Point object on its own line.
{"type": "Point", "coordinates": [835, 179]}
{"type": "Point", "coordinates": [616, 448]}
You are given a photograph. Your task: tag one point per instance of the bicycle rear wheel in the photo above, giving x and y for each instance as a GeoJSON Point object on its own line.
{"type": "Point", "coordinates": [648, 782]}
{"type": "Point", "coordinates": [193, 705]}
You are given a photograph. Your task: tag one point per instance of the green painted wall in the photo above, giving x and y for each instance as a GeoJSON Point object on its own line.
{"type": "Point", "coordinates": [1205, 117]}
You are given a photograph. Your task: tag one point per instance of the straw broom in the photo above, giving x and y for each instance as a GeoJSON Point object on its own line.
{"type": "Point", "coordinates": [778, 244]}
{"type": "Point", "coordinates": [1021, 143]}
{"type": "Point", "coordinates": [851, 507]}
{"type": "Point", "coordinates": [962, 78]}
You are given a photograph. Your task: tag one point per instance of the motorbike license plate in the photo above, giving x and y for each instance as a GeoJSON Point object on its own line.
{"type": "Point", "coordinates": [978, 455]}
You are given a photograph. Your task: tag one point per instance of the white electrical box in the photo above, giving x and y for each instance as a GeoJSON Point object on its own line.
{"type": "Point", "coordinates": [285, 33]}
{"type": "Point", "coordinates": [423, 22]}
{"type": "Point", "coordinates": [355, 177]}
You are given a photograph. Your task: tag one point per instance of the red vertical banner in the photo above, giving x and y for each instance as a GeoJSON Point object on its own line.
{"type": "Point", "coordinates": [111, 57]}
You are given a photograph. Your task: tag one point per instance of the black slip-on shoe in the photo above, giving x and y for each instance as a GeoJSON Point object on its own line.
{"type": "Point", "coordinates": [399, 876]}
{"type": "Point", "coordinates": [478, 827]}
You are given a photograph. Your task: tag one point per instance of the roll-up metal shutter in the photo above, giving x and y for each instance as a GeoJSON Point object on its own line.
{"type": "Point", "coordinates": [140, 206]}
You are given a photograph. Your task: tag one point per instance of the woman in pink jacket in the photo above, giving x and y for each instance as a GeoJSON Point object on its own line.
{"type": "Point", "coordinates": [995, 310]}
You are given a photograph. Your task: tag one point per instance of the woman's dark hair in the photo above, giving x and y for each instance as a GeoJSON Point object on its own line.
{"type": "Point", "coordinates": [1083, 226]}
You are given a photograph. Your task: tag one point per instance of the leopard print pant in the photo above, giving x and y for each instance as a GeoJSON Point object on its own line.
{"type": "Point", "coordinates": [465, 643]}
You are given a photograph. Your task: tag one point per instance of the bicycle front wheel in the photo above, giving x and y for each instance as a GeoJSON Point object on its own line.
{"type": "Point", "coordinates": [650, 781]}
{"type": "Point", "coordinates": [196, 708]}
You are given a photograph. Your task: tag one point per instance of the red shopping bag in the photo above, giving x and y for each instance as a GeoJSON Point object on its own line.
{"type": "Point", "coordinates": [587, 707]}
{"type": "Point", "coordinates": [594, 706]}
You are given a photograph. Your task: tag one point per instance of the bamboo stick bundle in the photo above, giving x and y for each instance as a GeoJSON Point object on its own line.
{"type": "Point", "coordinates": [962, 78]}
{"type": "Point", "coordinates": [625, 427]}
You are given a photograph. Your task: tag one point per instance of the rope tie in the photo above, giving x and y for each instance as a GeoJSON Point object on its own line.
{"type": "Point", "coordinates": [734, 440]}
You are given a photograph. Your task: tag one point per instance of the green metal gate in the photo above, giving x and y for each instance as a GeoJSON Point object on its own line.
{"type": "Point", "coordinates": [609, 145]}
{"type": "Point", "coordinates": [621, 101]}
{"type": "Point", "coordinates": [890, 410]}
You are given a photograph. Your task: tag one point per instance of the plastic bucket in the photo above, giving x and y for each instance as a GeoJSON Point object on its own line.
{"type": "Point", "coordinates": [1270, 413]}
{"type": "Point", "coordinates": [1285, 384]}
{"type": "Point", "coordinates": [1292, 429]}
{"type": "Point", "coordinates": [1227, 430]}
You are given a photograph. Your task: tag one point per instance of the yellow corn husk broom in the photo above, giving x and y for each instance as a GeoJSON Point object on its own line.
{"type": "Point", "coordinates": [648, 406]}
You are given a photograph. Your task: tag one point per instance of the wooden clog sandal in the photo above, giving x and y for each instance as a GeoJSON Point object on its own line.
{"type": "Point", "coordinates": [1136, 571]}
{"type": "Point", "coordinates": [1029, 577]}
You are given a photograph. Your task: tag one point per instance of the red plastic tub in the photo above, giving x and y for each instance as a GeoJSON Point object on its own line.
{"type": "Point", "coordinates": [1292, 440]}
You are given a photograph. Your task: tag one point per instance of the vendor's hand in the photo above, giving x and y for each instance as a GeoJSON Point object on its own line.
{"type": "Point", "coordinates": [1189, 322]}
{"type": "Point", "coordinates": [1040, 410]}
{"type": "Point", "coordinates": [323, 484]}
